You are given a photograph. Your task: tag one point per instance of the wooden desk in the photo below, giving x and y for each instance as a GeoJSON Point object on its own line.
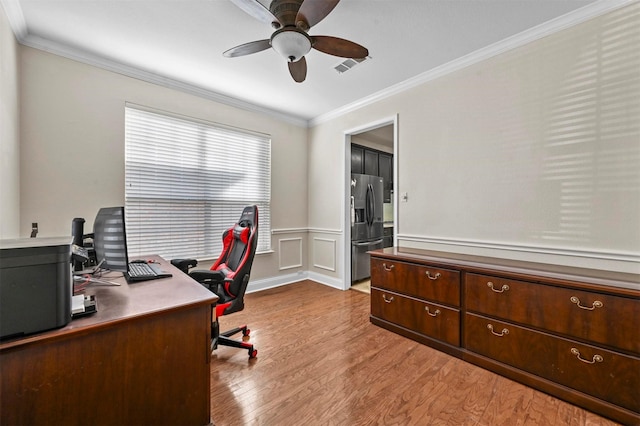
{"type": "Point", "coordinates": [143, 358]}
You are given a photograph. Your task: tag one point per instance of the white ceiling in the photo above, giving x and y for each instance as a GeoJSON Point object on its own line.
{"type": "Point", "coordinates": [181, 42]}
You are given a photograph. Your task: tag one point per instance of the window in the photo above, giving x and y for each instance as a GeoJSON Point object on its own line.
{"type": "Point", "coordinates": [187, 181]}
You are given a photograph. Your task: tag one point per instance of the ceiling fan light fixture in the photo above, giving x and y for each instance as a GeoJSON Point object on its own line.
{"type": "Point", "coordinates": [291, 44]}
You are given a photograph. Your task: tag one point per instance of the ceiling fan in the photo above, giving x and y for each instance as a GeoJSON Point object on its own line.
{"type": "Point", "coordinates": [292, 20]}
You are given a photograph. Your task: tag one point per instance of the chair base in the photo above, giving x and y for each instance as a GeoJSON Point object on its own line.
{"type": "Point", "coordinates": [225, 340]}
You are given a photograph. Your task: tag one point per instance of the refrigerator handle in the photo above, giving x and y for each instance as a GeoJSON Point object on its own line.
{"type": "Point", "coordinates": [353, 210]}
{"type": "Point", "coordinates": [368, 243]}
{"type": "Point", "coordinates": [366, 206]}
{"type": "Point", "coordinates": [370, 204]}
{"type": "Point", "coordinates": [373, 206]}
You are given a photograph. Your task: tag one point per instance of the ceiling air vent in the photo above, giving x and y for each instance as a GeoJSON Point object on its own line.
{"type": "Point", "coordinates": [347, 64]}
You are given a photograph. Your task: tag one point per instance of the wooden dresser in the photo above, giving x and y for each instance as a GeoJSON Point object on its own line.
{"type": "Point", "coordinates": [570, 332]}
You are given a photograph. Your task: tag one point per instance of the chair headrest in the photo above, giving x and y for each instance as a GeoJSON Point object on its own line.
{"type": "Point", "coordinates": [249, 216]}
{"type": "Point", "coordinates": [241, 233]}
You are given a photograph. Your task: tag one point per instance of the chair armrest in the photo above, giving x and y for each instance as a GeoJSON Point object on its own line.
{"type": "Point", "coordinates": [204, 276]}
{"type": "Point", "coordinates": [184, 264]}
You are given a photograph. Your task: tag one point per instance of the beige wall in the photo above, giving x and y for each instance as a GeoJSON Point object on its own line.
{"type": "Point", "coordinates": [72, 158]}
{"type": "Point", "coordinates": [531, 154]}
{"type": "Point", "coordinates": [9, 132]}
{"type": "Point", "coordinates": [479, 153]}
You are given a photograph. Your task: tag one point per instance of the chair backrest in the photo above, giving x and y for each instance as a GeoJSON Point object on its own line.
{"type": "Point", "coordinates": [239, 248]}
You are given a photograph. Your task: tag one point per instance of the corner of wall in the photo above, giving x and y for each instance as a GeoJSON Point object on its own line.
{"type": "Point", "coordinates": [9, 131]}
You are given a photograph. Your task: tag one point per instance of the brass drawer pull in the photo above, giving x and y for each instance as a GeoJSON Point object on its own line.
{"type": "Point", "coordinates": [502, 333]}
{"type": "Point", "coordinates": [387, 268]}
{"type": "Point", "coordinates": [434, 314]}
{"type": "Point", "coordinates": [596, 304]}
{"type": "Point", "coordinates": [504, 288]}
{"type": "Point", "coordinates": [433, 277]}
{"type": "Point", "coordinates": [596, 357]}
{"type": "Point", "coordinates": [384, 296]}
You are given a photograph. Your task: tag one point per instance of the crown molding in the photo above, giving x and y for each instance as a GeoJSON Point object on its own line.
{"type": "Point", "coordinates": [16, 18]}
{"type": "Point", "coordinates": [550, 27]}
{"type": "Point", "coordinates": [154, 78]}
{"type": "Point", "coordinates": [19, 27]}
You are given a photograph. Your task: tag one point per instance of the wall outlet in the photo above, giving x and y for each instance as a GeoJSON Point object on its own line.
{"type": "Point", "coordinates": [404, 197]}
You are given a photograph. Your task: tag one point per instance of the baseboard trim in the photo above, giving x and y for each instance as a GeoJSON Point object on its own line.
{"type": "Point", "coordinates": [273, 282]}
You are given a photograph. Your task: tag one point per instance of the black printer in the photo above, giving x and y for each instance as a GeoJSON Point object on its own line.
{"type": "Point", "coordinates": [35, 285]}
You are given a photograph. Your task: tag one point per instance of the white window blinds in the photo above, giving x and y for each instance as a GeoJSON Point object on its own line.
{"type": "Point", "coordinates": [187, 181]}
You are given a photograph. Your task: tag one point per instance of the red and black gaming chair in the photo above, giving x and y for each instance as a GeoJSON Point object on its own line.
{"type": "Point", "coordinates": [229, 276]}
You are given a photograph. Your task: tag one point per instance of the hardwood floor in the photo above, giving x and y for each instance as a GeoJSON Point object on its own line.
{"type": "Point", "coordinates": [321, 362]}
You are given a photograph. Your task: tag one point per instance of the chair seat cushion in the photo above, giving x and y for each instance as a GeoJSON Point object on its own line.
{"type": "Point", "coordinates": [220, 308]}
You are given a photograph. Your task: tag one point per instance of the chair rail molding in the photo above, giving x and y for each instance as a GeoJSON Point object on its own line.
{"type": "Point", "coordinates": [610, 260]}
{"type": "Point", "coordinates": [306, 230]}
{"type": "Point", "coordinates": [289, 231]}
{"type": "Point", "coordinates": [326, 231]}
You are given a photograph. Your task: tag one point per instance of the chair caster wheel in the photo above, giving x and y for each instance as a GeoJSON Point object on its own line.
{"type": "Point", "coordinates": [253, 353]}
{"type": "Point", "coordinates": [246, 332]}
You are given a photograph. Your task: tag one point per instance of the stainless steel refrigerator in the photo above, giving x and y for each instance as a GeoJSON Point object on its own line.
{"type": "Point", "coordinates": [366, 222]}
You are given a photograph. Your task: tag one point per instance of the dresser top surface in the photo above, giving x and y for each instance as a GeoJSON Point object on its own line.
{"type": "Point", "coordinates": [518, 268]}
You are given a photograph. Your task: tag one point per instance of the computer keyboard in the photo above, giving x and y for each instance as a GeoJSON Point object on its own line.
{"type": "Point", "coordinates": [141, 270]}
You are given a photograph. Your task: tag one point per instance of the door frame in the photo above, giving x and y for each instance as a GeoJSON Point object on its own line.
{"type": "Point", "coordinates": [346, 190]}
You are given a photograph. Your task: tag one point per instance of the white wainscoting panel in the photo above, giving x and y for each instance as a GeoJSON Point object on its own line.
{"type": "Point", "coordinates": [290, 250]}
{"type": "Point", "coordinates": [324, 253]}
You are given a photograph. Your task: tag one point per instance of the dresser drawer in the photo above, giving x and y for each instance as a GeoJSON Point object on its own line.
{"type": "Point", "coordinates": [599, 318]}
{"type": "Point", "coordinates": [595, 371]}
{"type": "Point", "coordinates": [424, 282]}
{"type": "Point", "coordinates": [433, 320]}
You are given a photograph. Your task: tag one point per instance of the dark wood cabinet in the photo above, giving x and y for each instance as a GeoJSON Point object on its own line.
{"type": "Point", "coordinates": [369, 161]}
{"type": "Point", "coordinates": [385, 168]}
{"type": "Point", "coordinates": [569, 332]}
{"type": "Point", "coordinates": [357, 159]}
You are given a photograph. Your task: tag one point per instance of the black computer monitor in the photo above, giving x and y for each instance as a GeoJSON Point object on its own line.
{"type": "Point", "coordinates": [110, 239]}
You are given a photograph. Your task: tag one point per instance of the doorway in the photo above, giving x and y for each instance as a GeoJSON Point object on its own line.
{"type": "Point", "coordinates": [370, 150]}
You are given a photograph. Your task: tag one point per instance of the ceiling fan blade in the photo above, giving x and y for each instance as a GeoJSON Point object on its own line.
{"type": "Point", "coordinates": [313, 11]}
{"type": "Point", "coordinates": [257, 10]}
{"type": "Point", "coordinates": [339, 47]}
{"type": "Point", "coordinates": [298, 70]}
{"type": "Point", "coordinates": [247, 48]}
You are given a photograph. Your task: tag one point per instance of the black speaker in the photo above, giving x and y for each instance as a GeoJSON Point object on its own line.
{"type": "Point", "coordinates": [77, 230]}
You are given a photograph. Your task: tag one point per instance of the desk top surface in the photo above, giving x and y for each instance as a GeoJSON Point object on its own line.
{"type": "Point", "coordinates": [128, 301]}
